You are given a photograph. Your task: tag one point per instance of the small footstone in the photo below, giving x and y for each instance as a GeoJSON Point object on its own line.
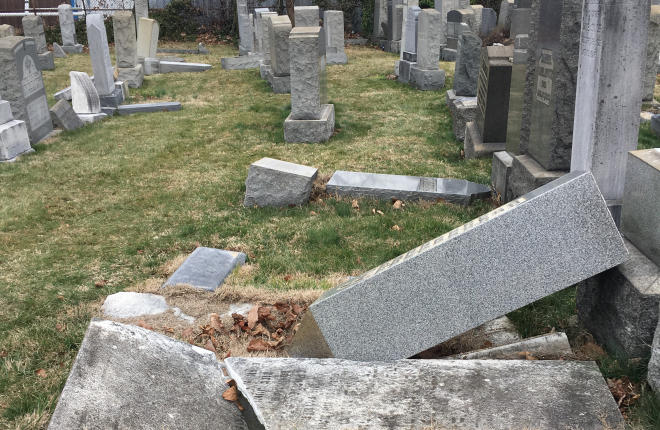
{"type": "Point", "coordinates": [310, 394]}
{"type": "Point", "coordinates": [275, 183]}
{"type": "Point", "coordinates": [129, 377]}
{"type": "Point", "coordinates": [464, 111]}
{"type": "Point", "coordinates": [206, 268]}
{"type": "Point", "coordinates": [129, 305]}
{"type": "Point", "coordinates": [500, 175]}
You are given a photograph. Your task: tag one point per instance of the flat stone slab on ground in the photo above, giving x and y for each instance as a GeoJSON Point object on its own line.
{"type": "Point", "coordinates": [206, 268]}
{"type": "Point", "coordinates": [129, 377]}
{"type": "Point", "coordinates": [128, 305]}
{"type": "Point", "coordinates": [554, 236]}
{"type": "Point", "coordinates": [553, 346]}
{"type": "Point", "coordinates": [311, 394]}
{"type": "Point", "coordinates": [178, 67]}
{"type": "Point", "coordinates": [386, 187]}
{"type": "Point", "coordinates": [149, 107]}
{"type": "Point", "coordinates": [276, 183]}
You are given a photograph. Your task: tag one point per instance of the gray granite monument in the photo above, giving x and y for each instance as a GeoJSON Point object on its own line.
{"type": "Point", "coordinates": [506, 9]}
{"type": "Point", "coordinates": [380, 18]}
{"type": "Point", "coordinates": [652, 55]}
{"type": "Point", "coordinates": [306, 16]}
{"type": "Point", "coordinates": [279, 74]}
{"type": "Point", "coordinates": [141, 11]}
{"type": "Point", "coordinates": [426, 75]}
{"type": "Point", "coordinates": [468, 62]}
{"type": "Point", "coordinates": [98, 50]}
{"type": "Point", "coordinates": [264, 41]}
{"type": "Point", "coordinates": [206, 268]}
{"type": "Point", "coordinates": [14, 139]}
{"type": "Point", "coordinates": [130, 70]}
{"type": "Point", "coordinates": [275, 183]}
{"type": "Point", "coordinates": [68, 29]}
{"type": "Point", "coordinates": [33, 27]}
{"type": "Point", "coordinates": [488, 21]}
{"type": "Point", "coordinates": [409, 45]}
{"type": "Point", "coordinates": [394, 23]}
{"type": "Point", "coordinates": [333, 23]}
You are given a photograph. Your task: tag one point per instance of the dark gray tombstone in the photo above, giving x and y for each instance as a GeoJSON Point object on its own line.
{"type": "Point", "coordinates": [488, 21]}
{"type": "Point", "coordinates": [454, 20]}
{"type": "Point", "coordinates": [493, 93]}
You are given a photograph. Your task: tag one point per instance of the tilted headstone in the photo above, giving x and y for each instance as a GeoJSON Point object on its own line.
{"type": "Point", "coordinates": [84, 97]}
{"type": "Point", "coordinates": [206, 268]}
{"type": "Point", "coordinates": [607, 107]}
{"type": "Point", "coordinates": [279, 28]}
{"type": "Point", "coordinates": [98, 49]}
{"type": "Point", "coordinates": [33, 27]}
{"type": "Point", "coordinates": [57, 51]}
{"type": "Point", "coordinates": [468, 62]}
{"type": "Point", "coordinates": [555, 236]}
{"type": "Point", "coordinates": [493, 93]}
{"type": "Point", "coordinates": [553, 103]}
{"type": "Point", "coordinates": [424, 394]}
{"type": "Point", "coordinates": [488, 21]}
{"type": "Point", "coordinates": [125, 39]}
{"type": "Point", "coordinates": [275, 183]}
{"type": "Point", "coordinates": [68, 29]}
{"type": "Point", "coordinates": [14, 139]}
{"type": "Point", "coordinates": [6, 30]}
{"type": "Point", "coordinates": [22, 85]}
{"type": "Point", "coordinates": [147, 38]}
{"type": "Point", "coordinates": [141, 11]}
{"type": "Point", "coordinates": [640, 215]}
{"type": "Point", "coordinates": [306, 16]}
{"type": "Point", "coordinates": [333, 23]}
{"type": "Point", "coordinates": [652, 54]}
{"type": "Point", "coordinates": [64, 116]}
{"type": "Point", "coordinates": [426, 75]}
{"type": "Point", "coordinates": [125, 376]}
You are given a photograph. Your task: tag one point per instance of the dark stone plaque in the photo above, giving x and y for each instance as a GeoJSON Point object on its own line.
{"type": "Point", "coordinates": [493, 93]}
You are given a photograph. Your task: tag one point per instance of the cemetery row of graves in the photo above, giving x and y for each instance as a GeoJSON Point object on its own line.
{"type": "Point", "coordinates": [319, 234]}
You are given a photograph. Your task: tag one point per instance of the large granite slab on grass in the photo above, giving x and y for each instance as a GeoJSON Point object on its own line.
{"type": "Point", "coordinates": [206, 268]}
{"type": "Point", "coordinates": [276, 183]}
{"type": "Point", "coordinates": [149, 107]}
{"type": "Point", "coordinates": [554, 237]}
{"type": "Point", "coordinates": [386, 187]}
{"type": "Point", "coordinates": [127, 377]}
{"type": "Point", "coordinates": [311, 394]}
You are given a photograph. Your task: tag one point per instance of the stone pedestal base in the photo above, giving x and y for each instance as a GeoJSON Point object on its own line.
{"type": "Point", "coordinates": [311, 131]}
{"type": "Point", "coordinates": [499, 177]}
{"type": "Point", "coordinates": [133, 76]}
{"type": "Point", "coordinates": [240, 63]}
{"type": "Point", "coordinates": [336, 58]}
{"type": "Point", "coordinates": [426, 80]}
{"type": "Point", "coordinates": [47, 60]}
{"type": "Point", "coordinates": [72, 49]}
{"type": "Point", "coordinates": [391, 46]}
{"type": "Point", "coordinates": [463, 110]}
{"type": "Point", "coordinates": [396, 68]}
{"type": "Point", "coordinates": [151, 66]}
{"type": "Point", "coordinates": [114, 99]}
{"type": "Point", "coordinates": [474, 147]}
{"type": "Point", "coordinates": [14, 140]}
{"type": "Point", "coordinates": [448, 54]}
{"type": "Point", "coordinates": [528, 175]}
{"type": "Point", "coordinates": [109, 111]}
{"type": "Point", "coordinates": [620, 306]}
{"type": "Point", "coordinates": [279, 84]}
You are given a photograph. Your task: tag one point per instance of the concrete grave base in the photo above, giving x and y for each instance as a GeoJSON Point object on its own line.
{"type": "Point", "coordinates": [475, 148]}
{"type": "Point", "coordinates": [47, 60]}
{"type": "Point", "coordinates": [279, 84]}
{"type": "Point", "coordinates": [311, 131]}
{"type": "Point", "coordinates": [276, 183]}
{"type": "Point", "coordinates": [206, 268]}
{"type": "Point", "coordinates": [88, 118]}
{"type": "Point", "coordinates": [448, 54]}
{"type": "Point", "coordinates": [620, 307]}
{"type": "Point", "coordinates": [463, 111]}
{"type": "Point", "coordinates": [427, 80]}
{"type": "Point", "coordinates": [243, 51]}
{"type": "Point", "coordinates": [133, 76]}
{"type": "Point", "coordinates": [72, 49]}
{"type": "Point", "coordinates": [113, 99]}
{"type": "Point", "coordinates": [240, 63]}
{"type": "Point", "coordinates": [14, 140]}
{"type": "Point", "coordinates": [422, 394]}
{"type": "Point", "coordinates": [177, 67]}
{"type": "Point", "coordinates": [336, 58]}
{"type": "Point", "coordinates": [528, 175]}
{"type": "Point", "coordinates": [500, 174]}
{"type": "Point", "coordinates": [148, 108]}
{"type": "Point", "coordinates": [393, 46]}
{"type": "Point", "coordinates": [127, 377]}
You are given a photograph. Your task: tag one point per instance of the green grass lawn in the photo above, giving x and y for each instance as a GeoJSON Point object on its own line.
{"type": "Point", "coordinates": [116, 200]}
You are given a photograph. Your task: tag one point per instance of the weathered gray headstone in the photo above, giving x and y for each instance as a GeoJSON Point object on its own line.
{"type": "Point", "coordinates": [141, 11]}
{"type": "Point", "coordinates": [411, 188]}
{"type": "Point", "coordinates": [278, 183]}
{"type": "Point", "coordinates": [147, 38]}
{"type": "Point", "coordinates": [14, 139]}
{"type": "Point", "coordinates": [125, 39]}
{"type": "Point", "coordinates": [22, 85]}
{"type": "Point", "coordinates": [84, 96]}
{"type": "Point", "coordinates": [245, 34]}
{"type": "Point", "coordinates": [409, 44]}
{"type": "Point", "coordinates": [421, 394]}
{"type": "Point", "coordinates": [306, 16]}
{"type": "Point", "coordinates": [228, 63]}
{"type": "Point", "coordinates": [64, 116]}
{"type": "Point", "coordinates": [531, 42]}
{"type": "Point", "coordinates": [265, 36]}
{"type": "Point", "coordinates": [478, 15]}
{"type": "Point", "coordinates": [652, 54]}
{"type": "Point", "coordinates": [7, 30]}
{"type": "Point", "coordinates": [57, 51]}
{"type": "Point", "coordinates": [380, 18]}
{"type": "Point", "coordinates": [98, 49]}
{"type": "Point", "coordinates": [68, 29]}
{"type": "Point", "coordinates": [444, 6]}
{"type": "Point", "coordinates": [129, 377]}
{"type": "Point", "coordinates": [607, 107]}
{"type": "Point", "coordinates": [206, 268]}
{"type": "Point", "coordinates": [33, 27]}
{"type": "Point", "coordinates": [500, 174]}
{"type": "Point", "coordinates": [333, 23]}
{"type": "Point", "coordinates": [463, 111]}
{"type": "Point", "coordinates": [506, 8]}
{"type": "Point", "coordinates": [426, 74]}
{"type": "Point", "coordinates": [555, 236]}
{"type": "Point", "coordinates": [488, 21]}
{"type": "Point", "coordinates": [468, 62]}
{"type": "Point", "coordinates": [279, 28]}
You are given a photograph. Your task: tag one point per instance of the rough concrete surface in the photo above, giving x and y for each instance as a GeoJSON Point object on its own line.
{"type": "Point", "coordinates": [275, 183]}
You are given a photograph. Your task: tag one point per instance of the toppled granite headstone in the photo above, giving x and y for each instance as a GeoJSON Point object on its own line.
{"type": "Point", "coordinates": [206, 268]}
{"type": "Point", "coordinates": [306, 394]}
{"type": "Point", "coordinates": [553, 346]}
{"type": "Point", "coordinates": [128, 305]}
{"type": "Point", "coordinates": [58, 52]}
{"type": "Point", "coordinates": [129, 377]}
{"type": "Point", "coordinates": [178, 67]}
{"type": "Point", "coordinates": [149, 107]}
{"type": "Point", "coordinates": [64, 116]}
{"type": "Point", "coordinates": [554, 236]}
{"type": "Point", "coordinates": [14, 138]}
{"type": "Point", "coordinates": [275, 183]}
{"type": "Point", "coordinates": [386, 187]}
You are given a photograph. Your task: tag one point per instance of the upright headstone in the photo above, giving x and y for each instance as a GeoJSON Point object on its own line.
{"type": "Point", "coordinates": [57, 51]}
{"type": "Point", "coordinates": [6, 30]}
{"type": "Point", "coordinates": [607, 106]}
{"type": "Point", "coordinates": [478, 17]}
{"type": "Point", "coordinates": [407, 4]}
{"type": "Point", "coordinates": [279, 28]}
{"type": "Point", "coordinates": [426, 74]}
{"type": "Point", "coordinates": [97, 39]}
{"type": "Point", "coordinates": [394, 22]}
{"type": "Point", "coordinates": [506, 8]}
{"type": "Point", "coordinates": [265, 36]}
{"type": "Point", "coordinates": [256, 25]}
{"type": "Point", "coordinates": [333, 23]}
{"type": "Point", "coordinates": [33, 27]}
{"type": "Point", "coordinates": [130, 71]}
{"type": "Point", "coordinates": [652, 54]}
{"type": "Point", "coordinates": [14, 139]}
{"type": "Point", "coordinates": [22, 85]}
{"type": "Point", "coordinates": [68, 29]}
{"type": "Point", "coordinates": [84, 97]}
{"type": "Point", "coordinates": [409, 45]}
{"type": "Point", "coordinates": [530, 83]}
{"type": "Point", "coordinates": [488, 21]}
{"type": "Point", "coordinates": [141, 11]}
{"type": "Point", "coordinates": [147, 38]}
{"type": "Point", "coordinates": [306, 16]}
{"type": "Point", "coordinates": [245, 34]}
{"type": "Point", "coordinates": [468, 62]}
{"type": "Point", "coordinates": [380, 18]}
{"type": "Point", "coordinates": [455, 20]}
{"type": "Point", "coordinates": [444, 7]}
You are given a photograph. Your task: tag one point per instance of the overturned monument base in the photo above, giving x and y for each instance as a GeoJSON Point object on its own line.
{"type": "Point", "coordinates": [311, 130]}
{"type": "Point", "coordinates": [426, 80]}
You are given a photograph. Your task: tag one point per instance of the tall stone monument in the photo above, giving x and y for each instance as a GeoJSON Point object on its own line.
{"type": "Point", "coordinates": [409, 54]}
{"type": "Point", "coordinates": [244, 28]}
{"type": "Point", "coordinates": [380, 18]}
{"type": "Point", "coordinates": [652, 54]}
{"type": "Point", "coordinates": [333, 23]}
{"type": "Point", "coordinates": [407, 4]}
{"type": "Point", "coordinates": [141, 11]}
{"type": "Point", "coordinates": [506, 9]}
{"type": "Point", "coordinates": [14, 139]}
{"type": "Point", "coordinates": [426, 75]}
{"type": "Point", "coordinates": [68, 29]}
{"type": "Point", "coordinates": [130, 70]}
{"type": "Point", "coordinates": [392, 42]}
{"type": "Point", "coordinates": [262, 18]}
{"type": "Point", "coordinates": [104, 79]}
{"type": "Point", "coordinates": [607, 106]}
{"type": "Point", "coordinates": [311, 119]}
{"type": "Point", "coordinates": [279, 76]}
{"type": "Point", "coordinates": [22, 85]}
{"type": "Point", "coordinates": [33, 27]}
{"type": "Point", "coordinates": [466, 72]}
{"type": "Point", "coordinates": [488, 21]}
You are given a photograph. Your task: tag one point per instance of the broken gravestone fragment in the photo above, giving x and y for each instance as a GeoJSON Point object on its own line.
{"type": "Point", "coordinates": [206, 268]}
{"type": "Point", "coordinates": [553, 346]}
{"type": "Point", "coordinates": [275, 183]}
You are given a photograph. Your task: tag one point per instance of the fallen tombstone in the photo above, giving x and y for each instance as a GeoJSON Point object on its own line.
{"type": "Point", "coordinates": [275, 183]}
{"type": "Point", "coordinates": [14, 138]}
{"type": "Point", "coordinates": [148, 107]}
{"type": "Point", "coordinates": [128, 304]}
{"type": "Point", "coordinates": [553, 346]}
{"type": "Point", "coordinates": [554, 236]}
{"type": "Point", "coordinates": [64, 116]}
{"type": "Point", "coordinates": [385, 187]}
{"type": "Point", "coordinates": [241, 62]}
{"type": "Point", "coordinates": [206, 268]}
{"type": "Point", "coordinates": [417, 394]}
{"type": "Point", "coordinates": [130, 377]}
{"type": "Point", "coordinates": [201, 49]}
{"type": "Point", "coordinates": [84, 98]}
{"type": "Point", "coordinates": [178, 67]}
{"type": "Point", "coordinates": [57, 51]}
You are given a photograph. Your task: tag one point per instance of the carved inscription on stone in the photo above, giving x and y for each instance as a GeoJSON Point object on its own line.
{"type": "Point", "coordinates": [32, 80]}
{"type": "Point", "coordinates": [38, 112]}
{"type": "Point", "coordinates": [427, 184]}
{"type": "Point", "coordinates": [482, 87]}
{"type": "Point", "coordinates": [544, 82]}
